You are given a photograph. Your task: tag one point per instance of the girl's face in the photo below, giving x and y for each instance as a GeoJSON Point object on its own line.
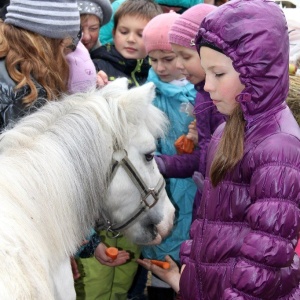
{"type": "Point", "coordinates": [164, 65]}
{"type": "Point", "coordinates": [90, 25]}
{"type": "Point", "coordinates": [128, 37]}
{"type": "Point", "coordinates": [222, 81]}
{"type": "Point", "coordinates": [188, 62]}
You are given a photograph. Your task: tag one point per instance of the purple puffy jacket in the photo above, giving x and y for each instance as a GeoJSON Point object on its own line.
{"type": "Point", "coordinates": [243, 240]}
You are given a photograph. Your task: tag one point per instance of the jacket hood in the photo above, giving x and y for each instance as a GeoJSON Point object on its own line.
{"type": "Point", "coordinates": [254, 34]}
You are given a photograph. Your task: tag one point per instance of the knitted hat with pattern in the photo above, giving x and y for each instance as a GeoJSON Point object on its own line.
{"type": "Point", "coordinates": [100, 8]}
{"type": "Point", "coordinates": [185, 28]}
{"type": "Point", "coordinates": [53, 19]}
{"type": "Point", "coordinates": [155, 33]}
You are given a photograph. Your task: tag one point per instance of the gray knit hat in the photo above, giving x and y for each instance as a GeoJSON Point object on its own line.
{"type": "Point", "coordinates": [50, 18]}
{"type": "Point", "coordinates": [100, 8]}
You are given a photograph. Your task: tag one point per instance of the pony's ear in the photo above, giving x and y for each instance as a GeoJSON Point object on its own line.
{"type": "Point", "coordinates": [119, 83]}
{"type": "Point", "coordinates": [115, 88]}
{"type": "Point", "coordinates": [136, 100]}
{"type": "Point", "coordinates": [149, 89]}
{"type": "Point", "coordinates": [144, 94]}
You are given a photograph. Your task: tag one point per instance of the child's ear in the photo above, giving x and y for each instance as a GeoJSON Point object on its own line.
{"type": "Point", "coordinates": [113, 33]}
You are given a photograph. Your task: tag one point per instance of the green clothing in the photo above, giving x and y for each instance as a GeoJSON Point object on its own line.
{"type": "Point", "coordinates": [109, 60]}
{"type": "Point", "coordinates": [100, 282]}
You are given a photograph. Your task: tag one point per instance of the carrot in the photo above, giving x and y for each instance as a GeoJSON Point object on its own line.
{"type": "Point", "coordinates": [184, 145]}
{"type": "Point", "coordinates": [162, 264]}
{"type": "Point", "coordinates": [112, 252]}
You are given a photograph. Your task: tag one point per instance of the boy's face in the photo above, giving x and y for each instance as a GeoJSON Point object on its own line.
{"type": "Point", "coordinates": [128, 37]}
{"type": "Point", "coordinates": [164, 65]}
{"type": "Point", "coordinates": [188, 62]}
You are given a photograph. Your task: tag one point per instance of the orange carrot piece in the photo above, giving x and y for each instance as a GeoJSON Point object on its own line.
{"type": "Point", "coordinates": [112, 252]}
{"type": "Point", "coordinates": [162, 264]}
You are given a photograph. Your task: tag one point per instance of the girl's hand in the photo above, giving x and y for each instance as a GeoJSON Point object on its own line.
{"type": "Point", "coordinates": [170, 276]}
{"type": "Point", "coordinates": [100, 255]}
{"type": "Point", "coordinates": [193, 133]}
{"type": "Point", "coordinates": [102, 79]}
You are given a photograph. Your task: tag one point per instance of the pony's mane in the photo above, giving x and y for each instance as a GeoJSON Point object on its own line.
{"type": "Point", "coordinates": [45, 146]}
{"type": "Point", "coordinates": [77, 108]}
{"type": "Point", "coordinates": [157, 122]}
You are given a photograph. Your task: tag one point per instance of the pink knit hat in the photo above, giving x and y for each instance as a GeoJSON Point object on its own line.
{"type": "Point", "coordinates": [155, 34]}
{"type": "Point", "coordinates": [83, 74]}
{"type": "Point", "coordinates": [185, 28]}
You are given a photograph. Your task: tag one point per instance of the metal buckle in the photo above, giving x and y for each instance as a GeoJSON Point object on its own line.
{"type": "Point", "coordinates": [110, 233]}
{"type": "Point", "coordinates": [153, 193]}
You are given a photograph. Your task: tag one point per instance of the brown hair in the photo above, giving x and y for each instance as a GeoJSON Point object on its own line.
{"type": "Point", "coordinates": [231, 148]}
{"type": "Point", "coordinates": [144, 9]}
{"type": "Point", "coordinates": [30, 56]}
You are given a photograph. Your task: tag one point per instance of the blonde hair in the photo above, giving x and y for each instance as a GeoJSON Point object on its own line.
{"type": "Point", "coordinates": [32, 57]}
{"type": "Point", "coordinates": [231, 147]}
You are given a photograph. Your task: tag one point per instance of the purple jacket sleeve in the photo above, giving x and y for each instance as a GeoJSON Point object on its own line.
{"type": "Point", "coordinates": [181, 165]}
{"type": "Point", "coordinates": [207, 120]}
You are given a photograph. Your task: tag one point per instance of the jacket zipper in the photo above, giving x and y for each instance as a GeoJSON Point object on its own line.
{"type": "Point", "coordinates": [136, 69]}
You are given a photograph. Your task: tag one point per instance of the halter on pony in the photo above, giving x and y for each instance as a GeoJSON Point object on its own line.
{"type": "Point", "coordinates": [120, 158]}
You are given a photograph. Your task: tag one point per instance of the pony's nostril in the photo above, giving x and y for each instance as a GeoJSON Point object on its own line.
{"type": "Point", "coordinates": [151, 227]}
{"type": "Point", "coordinates": [155, 231]}
{"type": "Point", "coordinates": [151, 221]}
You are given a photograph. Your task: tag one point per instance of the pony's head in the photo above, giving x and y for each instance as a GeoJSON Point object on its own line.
{"type": "Point", "coordinates": [84, 158]}
{"type": "Point", "coordinates": [137, 203]}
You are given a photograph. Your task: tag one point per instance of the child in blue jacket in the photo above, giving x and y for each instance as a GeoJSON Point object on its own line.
{"type": "Point", "coordinates": [172, 92]}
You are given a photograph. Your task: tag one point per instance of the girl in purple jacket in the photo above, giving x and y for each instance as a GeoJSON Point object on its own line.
{"type": "Point", "coordinates": [243, 239]}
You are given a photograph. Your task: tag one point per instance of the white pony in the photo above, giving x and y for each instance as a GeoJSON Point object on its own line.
{"type": "Point", "coordinates": [86, 158]}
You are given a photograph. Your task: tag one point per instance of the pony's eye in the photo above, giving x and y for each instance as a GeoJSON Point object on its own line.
{"type": "Point", "coordinates": [149, 157]}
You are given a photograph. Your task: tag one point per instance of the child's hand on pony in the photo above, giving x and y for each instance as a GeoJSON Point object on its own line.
{"type": "Point", "coordinates": [170, 275]}
{"type": "Point", "coordinates": [100, 254]}
{"type": "Point", "coordinates": [102, 79]}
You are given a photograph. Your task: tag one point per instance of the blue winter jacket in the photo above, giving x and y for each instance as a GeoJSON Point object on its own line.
{"type": "Point", "coordinates": [181, 192]}
{"type": "Point", "coordinates": [244, 237]}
